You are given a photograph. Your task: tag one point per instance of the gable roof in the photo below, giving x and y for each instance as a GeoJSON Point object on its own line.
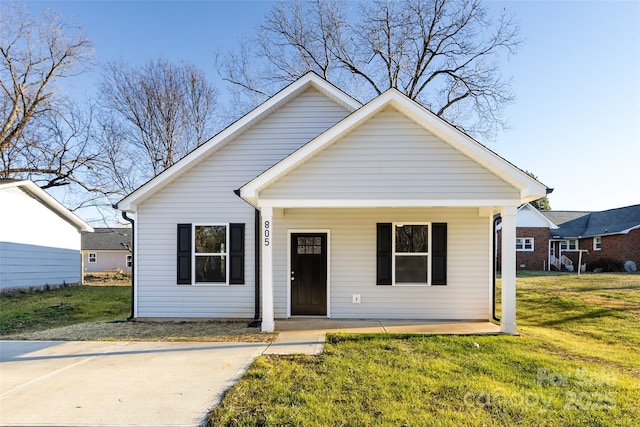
{"type": "Point", "coordinates": [591, 224]}
{"type": "Point", "coordinates": [45, 199]}
{"type": "Point", "coordinates": [107, 239]}
{"type": "Point", "coordinates": [309, 80]}
{"type": "Point", "coordinates": [537, 214]}
{"type": "Point", "coordinates": [530, 189]}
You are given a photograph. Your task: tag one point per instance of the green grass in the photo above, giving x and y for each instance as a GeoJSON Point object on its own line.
{"type": "Point", "coordinates": [27, 312]}
{"type": "Point", "coordinates": [576, 363]}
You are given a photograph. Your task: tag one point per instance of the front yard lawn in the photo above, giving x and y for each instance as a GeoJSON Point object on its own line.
{"type": "Point", "coordinates": [576, 363]}
{"type": "Point", "coordinates": [26, 312]}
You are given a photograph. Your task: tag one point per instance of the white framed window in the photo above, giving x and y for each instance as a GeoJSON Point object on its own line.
{"type": "Point", "coordinates": [597, 243]}
{"type": "Point", "coordinates": [411, 256]}
{"type": "Point", "coordinates": [210, 253]}
{"type": "Point", "coordinates": [129, 261]}
{"type": "Point", "coordinates": [524, 244]}
{"type": "Point", "coordinates": [569, 245]}
{"type": "Point", "coordinates": [93, 257]}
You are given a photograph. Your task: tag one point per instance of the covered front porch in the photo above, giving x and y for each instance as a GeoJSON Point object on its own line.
{"type": "Point", "coordinates": [465, 296]}
{"type": "Point", "coordinates": [403, 207]}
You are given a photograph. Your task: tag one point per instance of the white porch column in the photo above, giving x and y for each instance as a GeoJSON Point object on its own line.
{"type": "Point", "coordinates": [268, 324]}
{"type": "Point", "coordinates": [508, 321]}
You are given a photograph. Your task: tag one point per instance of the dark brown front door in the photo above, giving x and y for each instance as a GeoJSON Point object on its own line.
{"type": "Point", "coordinates": [309, 274]}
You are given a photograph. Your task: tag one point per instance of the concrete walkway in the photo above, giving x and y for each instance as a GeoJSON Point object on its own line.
{"type": "Point", "coordinates": [307, 335]}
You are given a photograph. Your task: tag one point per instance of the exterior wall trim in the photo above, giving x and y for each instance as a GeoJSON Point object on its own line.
{"type": "Point", "coordinates": [383, 203]}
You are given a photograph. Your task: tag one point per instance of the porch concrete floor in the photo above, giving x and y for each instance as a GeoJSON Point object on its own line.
{"type": "Point", "coordinates": [307, 335]}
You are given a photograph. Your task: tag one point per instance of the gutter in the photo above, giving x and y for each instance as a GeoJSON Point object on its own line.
{"type": "Point", "coordinates": [256, 315]}
{"type": "Point", "coordinates": [256, 234]}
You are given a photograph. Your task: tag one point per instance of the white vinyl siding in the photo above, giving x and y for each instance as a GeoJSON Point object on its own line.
{"type": "Point", "coordinates": [352, 248]}
{"type": "Point", "coordinates": [37, 246]}
{"type": "Point", "coordinates": [204, 195]}
{"type": "Point", "coordinates": [31, 265]}
{"type": "Point", "coordinates": [390, 157]}
{"type": "Point", "coordinates": [106, 261]}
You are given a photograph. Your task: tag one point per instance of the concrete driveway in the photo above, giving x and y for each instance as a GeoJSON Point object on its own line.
{"type": "Point", "coordinates": [156, 383]}
{"type": "Point", "coordinates": [117, 383]}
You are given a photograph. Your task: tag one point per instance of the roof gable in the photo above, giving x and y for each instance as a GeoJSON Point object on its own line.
{"type": "Point", "coordinates": [45, 199]}
{"type": "Point", "coordinates": [529, 216]}
{"type": "Point", "coordinates": [309, 80]}
{"type": "Point", "coordinates": [528, 188]}
{"type": "Point", "coordinates": [389, 157]}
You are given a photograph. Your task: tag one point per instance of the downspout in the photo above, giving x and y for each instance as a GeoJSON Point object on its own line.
{"type": "Point", "coordinates": [256, 315]}
{"type": "Point", "coordinates": [133, 264]}
{"type": "Point", "coordinates": [496, 219]}
{"type": "Point", "coordinates": [256, 233]}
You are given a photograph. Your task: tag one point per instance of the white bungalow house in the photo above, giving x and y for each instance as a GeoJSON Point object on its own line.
{"type": "Point", "coordinates": [315, 205]}
{"type": "Point", "coordinates": [39, 239]}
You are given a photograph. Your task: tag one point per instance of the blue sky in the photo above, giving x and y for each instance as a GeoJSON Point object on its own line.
{"type": "Point", "coordinates": [576, 119]}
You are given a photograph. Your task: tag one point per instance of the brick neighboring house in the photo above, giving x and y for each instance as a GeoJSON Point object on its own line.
{"type": "Point", "coordinates": [106, 249]}
{"type": "Point", "coordinates": [552, 240]}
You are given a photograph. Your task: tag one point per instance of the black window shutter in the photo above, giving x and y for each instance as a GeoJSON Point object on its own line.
{"type": "Point", "coordinates": [384, 256]}
{"type": "Point", "coordinates": [184, 254]}
{"type": "Point", "coordinates": [236, 254]}
{"type": "Point", "coordinates": [439, 255]}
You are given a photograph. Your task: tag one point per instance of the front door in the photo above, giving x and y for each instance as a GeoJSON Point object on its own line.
{"type": "Point", "coordinates": [309, 274]}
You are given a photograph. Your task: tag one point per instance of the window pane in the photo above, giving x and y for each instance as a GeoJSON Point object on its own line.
{"type": "Point", "coordinates": [411, 269]}
{"type": "Point", "coordinates": [309, 246]}
{"type": "Point", "coordinates": [412, 238]}
{"type": "Point", "coordinates": [211, 269]}
{"type": "Point", "coordinates": [211, 239]}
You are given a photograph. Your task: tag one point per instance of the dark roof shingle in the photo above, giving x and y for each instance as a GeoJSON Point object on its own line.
{"type": "Point", "coordinates": [107, 239]}
{"type": "Point", "coordinates": [590, 224]}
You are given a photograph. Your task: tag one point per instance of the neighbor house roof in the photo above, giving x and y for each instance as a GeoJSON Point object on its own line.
{"type": "Point", "coordinates": [590, 224]}
{"type": "Point", "coordinates": [530, 189]}
{"type": "Point", "coordinates": [30, 188]}
{"type": "Point", "coordinates": [309, 80]}
{"type": "Point", "coordinates": [107, 239]}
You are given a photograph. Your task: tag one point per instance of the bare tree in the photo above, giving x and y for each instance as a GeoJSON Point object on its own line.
{"type": "Point", "coordinates": [441, 53]}
{"type": "Point", "coordinates": [153, 116]}
{"type": "Point", "coordinates": [43, 136]}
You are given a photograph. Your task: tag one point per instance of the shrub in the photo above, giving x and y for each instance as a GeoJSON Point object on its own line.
{"type": "Point", "coordinates": [607, 265]}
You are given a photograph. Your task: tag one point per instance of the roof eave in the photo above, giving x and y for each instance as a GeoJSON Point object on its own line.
{"type": "Point", "coordinates": [55, 206]}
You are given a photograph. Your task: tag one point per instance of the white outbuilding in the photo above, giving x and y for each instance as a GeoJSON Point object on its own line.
{"type": "Point", "coordinates": [39, 239]}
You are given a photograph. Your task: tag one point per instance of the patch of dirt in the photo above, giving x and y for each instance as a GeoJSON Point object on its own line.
{"type": "Point", "coordinates": [107, 278]}
{"type": "Point", "coordinates": [150, 331]}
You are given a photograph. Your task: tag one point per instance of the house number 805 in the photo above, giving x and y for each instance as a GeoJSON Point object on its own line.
{"type": "Point", "coordinates": [267, 233]}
